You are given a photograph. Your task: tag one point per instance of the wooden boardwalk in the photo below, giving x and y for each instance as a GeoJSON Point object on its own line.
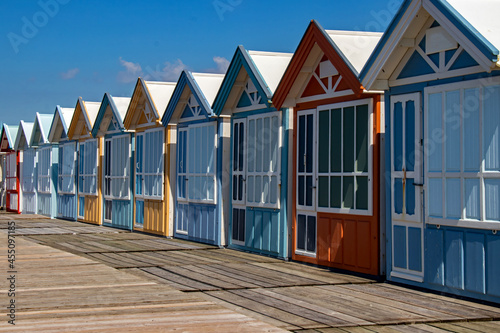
{"type": "Point", "coordinates": [73, 274]}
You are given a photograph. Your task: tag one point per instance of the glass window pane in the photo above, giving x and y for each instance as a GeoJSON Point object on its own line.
{"type": "Point", "coordinates": [492, 199]}
{"type": "Point", "coordinates": [258, 189]}
{"type": "Point", "coordinates": [452, 135]}
{"type": "Point", "coordinates": [323, 141]}
{"type": "Point", "coordinates": [309, 143]}
{"type": "Point", "coordinates": [336, 141]}
{"type": "Point", "coordinates": [348, 136]}
{"type": "Point", "coordinates": [241, 148]}
{"type": "Point", "coordinates": [275, 131]}
{"type": "Point", "coordinates": [259, 149]}
{"type": "Point", "coordinates": [348, 192]}
{"type": "Point", "coordinates": [335, 192]}
{"type": "Point", "coordinates": [323, 191]}
{"type": "Point", "coordinates": [311, 234]}
{"type": "Point", "coordinates": [301, 146]}
{"type": "Point", "coordinates": [398, 196]}
{"type": "Point", "coordinates": [236, 135]}
{"type": "Point", "coordinates": [250, 188]}
{"type": "Point", "coordinates": [398, 136]}
{"type": "Point", "coordinates": [471, 136]}
{"type": "Point", "coordinates": [274, 190]}
{"type": "Point", "coordinates": [251, 146]}
{"type": "Point", "coordinates": [410, 196]}
{"type": "Point", "coordinates": [435, 197]}
{"type": "Point", "coordinates": [410, 135]}
{"type": "Point", "coordinates": [309, 190]}
{"type": "Point", "coordinates": [472, 199]}
{"type": "Point", "coordinates": [362, 132]}
{"type": "Point", "coordinates": [491, 128]}
{"type": "Point", "coordinates": [301, 190]}
{"type": "Point", "coordinates": [301, 232]}
{"type": "Point", "coordinates": [452, 195]}
{"type": "Point", "coordinates": [265, 189]}
{"type": "Point", "coordinates": [435, 133]}
{"type": "Point", "coordinates": [362, 192]}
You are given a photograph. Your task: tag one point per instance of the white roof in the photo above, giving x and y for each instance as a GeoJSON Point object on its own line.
{"type": "Point", "coordinates": [160, 93]}
{"type": "Point", "coordinates": [92, 110]}
{"type": "Point", "coordinates": [271, 66]}
{"type": "Point", "coordinates": [121, 105]}
{"type": "Point", "coordinates": [357, 46]}
{"type": "Point", "coordinates": [209, 84]}
{"type": "Point", "coordinates": [482, 15]}
{"type": "Point", "coordinates": [67, 115]}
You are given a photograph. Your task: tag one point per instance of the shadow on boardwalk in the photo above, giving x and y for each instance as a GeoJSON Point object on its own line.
{"type": "Point", "coordinates": [241, 289]}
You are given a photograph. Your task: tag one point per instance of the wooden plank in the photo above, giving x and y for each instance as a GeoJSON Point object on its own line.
{"type": "Point", "coordinates": [320, 318]}
{"type": "Point", "coordinates": [452, 327]}
{"type": "Point", "coordinates": [207, 279]}
{"type": "Point", "coordinates": [231, 282]}
{"type": "Point", "coordinates": [291, 321]}
{"type": "Point", "coordinates": [480, 326]}
{"type": "Point", "coordinates": [188, 284]}
{"type": "Point", "coordinates": [236, 275]}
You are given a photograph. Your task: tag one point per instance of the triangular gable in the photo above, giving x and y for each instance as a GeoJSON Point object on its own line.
{"type": "Point", "coordinates": [60, 124]}
{"type": "Point", "coordinates": [194, 89]}
{"type": "Point", "coordinates": [434, 39]}
{"type": "Point", "coordinates": [9, 133]}
{"type": "Point", "coordinates": [325, 65]}
{"type": "Point", "coordinates": [83, 119]}
{"type": "Point", "coordinates": [41, 128]}
{"type": "Point", "coordinates": [148, 103]}
{"type": "Point", "coordinates": [250, 81]}
{"type": "Point", "coordinates": [112, 111]}
{"type": "Point", "coordinates": [23, 135]}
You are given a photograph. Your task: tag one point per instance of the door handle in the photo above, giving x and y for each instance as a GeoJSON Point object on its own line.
{"type": "Point", "coordinates": [418, 184]}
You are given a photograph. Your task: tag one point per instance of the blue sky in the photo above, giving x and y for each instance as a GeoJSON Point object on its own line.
{"type": "Point", "coordinates": [54, 51]}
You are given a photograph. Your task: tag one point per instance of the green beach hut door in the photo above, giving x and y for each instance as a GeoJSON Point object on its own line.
{"type": "Point", "coordinates": [406, 187]}
{"type": "Point", "coordinates": [306, 184]}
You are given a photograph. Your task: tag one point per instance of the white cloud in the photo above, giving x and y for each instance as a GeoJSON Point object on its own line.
{"type": "Point", "coordinates": [69, 74]}
{"type": "Point", "coordinates": [131, 73]}
{"type": "Point", "coordinates": [169, 72]}
{"type": "Point", "coordinates": [222, 64]}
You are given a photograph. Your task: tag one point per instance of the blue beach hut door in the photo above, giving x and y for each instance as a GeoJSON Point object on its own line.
{"type": "Point", "coordinates": [406, 187]}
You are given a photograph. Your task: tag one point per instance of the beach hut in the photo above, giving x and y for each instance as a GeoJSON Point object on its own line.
{"type": "Point", "coordinates": [47, 161]}
{"type": "Point", "coordinates": [27, 168]}
{"type": "Point", "coordinates": [12, 159]}
{"type": "Point", "coordinates": [336, 150]}
{"type": "Point", "coordinates": [438, 63]}
{"type": "Point", "coordinates": [256, 186]}
{"type": "Point", "coordinates": [152, 200]}
{"type": "Point", "coordinates": [66, 173]}
{"type": "Point", "coordinates": [197, 165]}
{"type": "Point", "coordinates": [117, 185]}
{"type": "Point", "coordinates": [89, 160]}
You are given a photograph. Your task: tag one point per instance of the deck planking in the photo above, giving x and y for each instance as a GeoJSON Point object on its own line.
{"type": "Point", "coordinates": [285, 295]}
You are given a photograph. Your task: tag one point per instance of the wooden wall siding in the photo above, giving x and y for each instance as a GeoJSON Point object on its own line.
{"type": "Point", "coordinates": [459, 259]}
{"type": "Point", "coordinates": [66, 206]}
{"type": "Point", "coordinates": [154, 217]}
{"type": "Point", "coordinates": [122, 214]}
{"type": "Point", "coordinates": [200, 220]}
{"type": "Point", "coordinates": [92, 211]}
{"type": "Point", "coordinates": [44, 204]}
{"type": "Point", "coordinates": [29, 203]}
{"type": "Point", "coordinates": [263, 231]}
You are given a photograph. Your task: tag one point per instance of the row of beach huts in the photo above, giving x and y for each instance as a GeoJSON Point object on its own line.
{"type": "Point", "coordinates": [367, 152]}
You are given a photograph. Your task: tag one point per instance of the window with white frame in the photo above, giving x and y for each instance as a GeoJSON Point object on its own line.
{"type": "Point", "coordinates": [197, 163]}
{"type": "Point", "coordinates": [66, 168]}
{"type": "Point", "coordinates": [11, 171]}
{"type": "Point", "coordinates": [149, 164]}
{"type": "Point", "coordinates": [29, 160]}
{"type": "Point", "coordinates": [44, 169]}
{"type": "Point", "coordinates": [263, 160]}
{"type": "Point", "coordinates": [87, 167]}
{"type": "Point", "coordinates": [117, 167]}
{"type": "Point", "coordinates": [344, 158]}
{"type": "Point", "coordinates": [462, 150]}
